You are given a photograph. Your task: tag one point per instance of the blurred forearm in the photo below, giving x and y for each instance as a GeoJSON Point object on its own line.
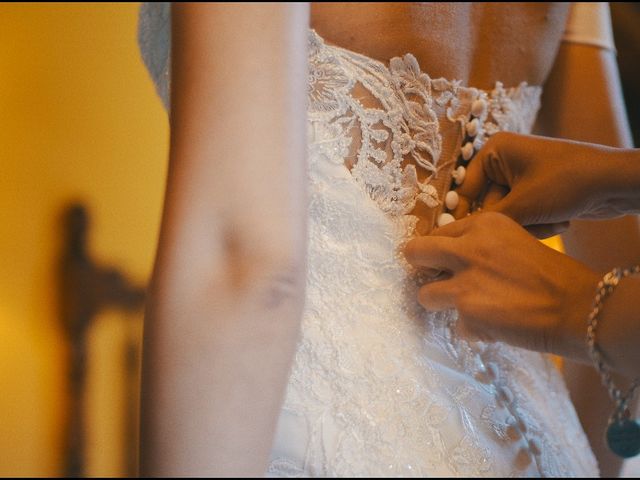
{"type": "Point", "coordinates": [583, 101]}
{"type": "Point", "coordinates": [227, 291]}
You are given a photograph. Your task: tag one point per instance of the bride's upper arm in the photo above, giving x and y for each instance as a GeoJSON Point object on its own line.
{"type": "Point", "coordinates": [235, 187]}
{"type": "Point", "coordinates": [582, 96]}
{"type": "Point", "coordinates": [583, 101]}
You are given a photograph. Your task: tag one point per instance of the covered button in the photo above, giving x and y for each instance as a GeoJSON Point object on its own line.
{"type": "Point", "coordinates": [467, 151]}
{"type": "Point", "coordinates": [459, 174]}
{"type": "Point", "coordinates": [472, 127]}
{"type": "Point", "coordinates": [445, 219]}
{"type": "Point", "coordinates": [478, 107]}
{"type": "Point", "coordinates": [505, 396]}
{"type": "Point", "coordinates": [451, 199]}
{"type": "Point", "coordinates": [512, 431]}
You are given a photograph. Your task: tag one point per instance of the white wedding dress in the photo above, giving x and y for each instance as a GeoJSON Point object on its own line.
{"type": "Point", "coordinates": [378, 386]}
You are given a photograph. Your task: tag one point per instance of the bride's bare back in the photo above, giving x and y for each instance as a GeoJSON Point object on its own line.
{"type": "Point", "coordinates": [478, 43]}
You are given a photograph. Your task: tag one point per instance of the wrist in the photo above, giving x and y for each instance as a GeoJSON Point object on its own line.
{"type": "Point", "coordinates": [618, 180]}
{"type": "Point", "coordinates": [618, 332]}
{"type": "Point", "coordinates": [578, 297]}
{"type": "Point", "coordinates": [623, 433]}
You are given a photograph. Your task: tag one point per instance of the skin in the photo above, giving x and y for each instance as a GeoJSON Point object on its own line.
{"type": "Point", "coordinates": [528, 280]}
{"type": "Point", "coordinates": [583, 101]}
{"type": "Point", "coordinates": [465, 43]}
{"type": "Point", "coordinates": [227, 290]}
{"type": "Point", "coordinates": [478, 275]}
{"type": "Point", "coordinates": [545, 182]}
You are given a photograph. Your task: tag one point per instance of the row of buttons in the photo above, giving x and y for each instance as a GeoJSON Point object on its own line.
{"type": "Point", "coordinates": [472, 144]}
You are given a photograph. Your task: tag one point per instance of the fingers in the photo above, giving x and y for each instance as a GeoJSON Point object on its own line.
{"type": "Point", "coordinates": [475, 179]}
{"type": "Point", "coordinates": [463, 208]}
{"type": "Point", "coordinates": [432, 273]}
{"type": "Point", "coordinates": [547, 230]}
{"type": "Point", "coordinates": [494, 195]}
{"type": "Point", "coordinates": [488, 181]}
{"type": "Point", "coordinates": [453, 229]}
{"type": "Point", "coordinates": [437, 296]}
{"type": "Point", "coordinates": [443, 295]}
{"type": "Point", "coordinates": [509, 203]}
{"type": "Point", "coordinates": [434, 252]}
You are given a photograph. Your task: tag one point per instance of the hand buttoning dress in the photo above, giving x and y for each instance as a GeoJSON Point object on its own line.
{"type": "Point", "coordinates": [379, 387]}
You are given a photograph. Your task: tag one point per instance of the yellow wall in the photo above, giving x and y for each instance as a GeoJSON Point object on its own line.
{"type": "Point", "coordinates": [78, 119]}
{"type": "Point", "coordinates": [554, 242]}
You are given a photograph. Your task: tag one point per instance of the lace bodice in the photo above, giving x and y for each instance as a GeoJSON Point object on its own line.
{"type": "Point", "coordinates": [378, 386]}
{"type": "Point", "coordinates": [395, 114]}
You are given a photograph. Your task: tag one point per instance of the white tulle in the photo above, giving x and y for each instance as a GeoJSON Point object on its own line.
{"type": "Point", "coordinates": [378, 386]}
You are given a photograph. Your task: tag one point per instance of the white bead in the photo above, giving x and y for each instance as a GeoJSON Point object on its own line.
{"type": "Point", "coordinates": [451, 199]}
{"type": "Point", "coordinates": [459, 174]}
{"type": "Point", "coordinates": [478, 143]}
{"type": "Point", "coordinates": [472, 127]}
{"type": "Point", "coordinates": [467, 151]}
{"type": "Point", "coordinates": [445, 219]}
{"type": "Point", "coordinates": [534, 446]}
{"type": "Point", "coordinates": [478, 107]}
{"type": "Point", "coordinates": [505, 395]}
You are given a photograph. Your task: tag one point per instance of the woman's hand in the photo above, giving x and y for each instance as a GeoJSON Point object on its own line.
{"type": "Point", "coordinates": [506, 285]}
{"type": "Point", "coordinates": [542, 183]}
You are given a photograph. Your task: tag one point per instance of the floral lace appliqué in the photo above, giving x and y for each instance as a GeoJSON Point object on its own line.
{"type": "Point", "coordinates": [399, 129]}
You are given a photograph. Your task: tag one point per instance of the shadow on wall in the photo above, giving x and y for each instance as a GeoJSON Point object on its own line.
{"type": "Point", "coordinates": [86, 289]}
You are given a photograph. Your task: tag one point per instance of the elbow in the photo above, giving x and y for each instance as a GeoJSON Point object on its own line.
{"type": "Point", "coordinates": [247, 261]}
{"type": "Point", "coordinates": [236, 269]}
{"type": "Point", "coordinates": [266, 278]}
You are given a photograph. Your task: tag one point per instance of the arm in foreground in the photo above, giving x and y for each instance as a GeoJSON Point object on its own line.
{"type": "Point", "coordinates": [583, 102]}
{"type": "Point", "coordinates": [227, 289]}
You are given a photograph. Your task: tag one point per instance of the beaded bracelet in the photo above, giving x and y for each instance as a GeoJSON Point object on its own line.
{"type": "Point", "coordinates": [623, 432]}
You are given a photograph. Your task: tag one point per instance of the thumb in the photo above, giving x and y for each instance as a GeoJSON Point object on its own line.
{"type": "Point", "coordinates": [531, 214]}
{"type": "Point", "coordinates": [511, 206]}
{"type": "Point", "coordinates": [546, 230]}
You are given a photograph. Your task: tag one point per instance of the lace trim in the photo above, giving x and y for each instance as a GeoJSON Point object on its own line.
{"type": "Point", "coordinates": [398, 135]}
{"type": "Point", "coordinates": [402, 131]}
